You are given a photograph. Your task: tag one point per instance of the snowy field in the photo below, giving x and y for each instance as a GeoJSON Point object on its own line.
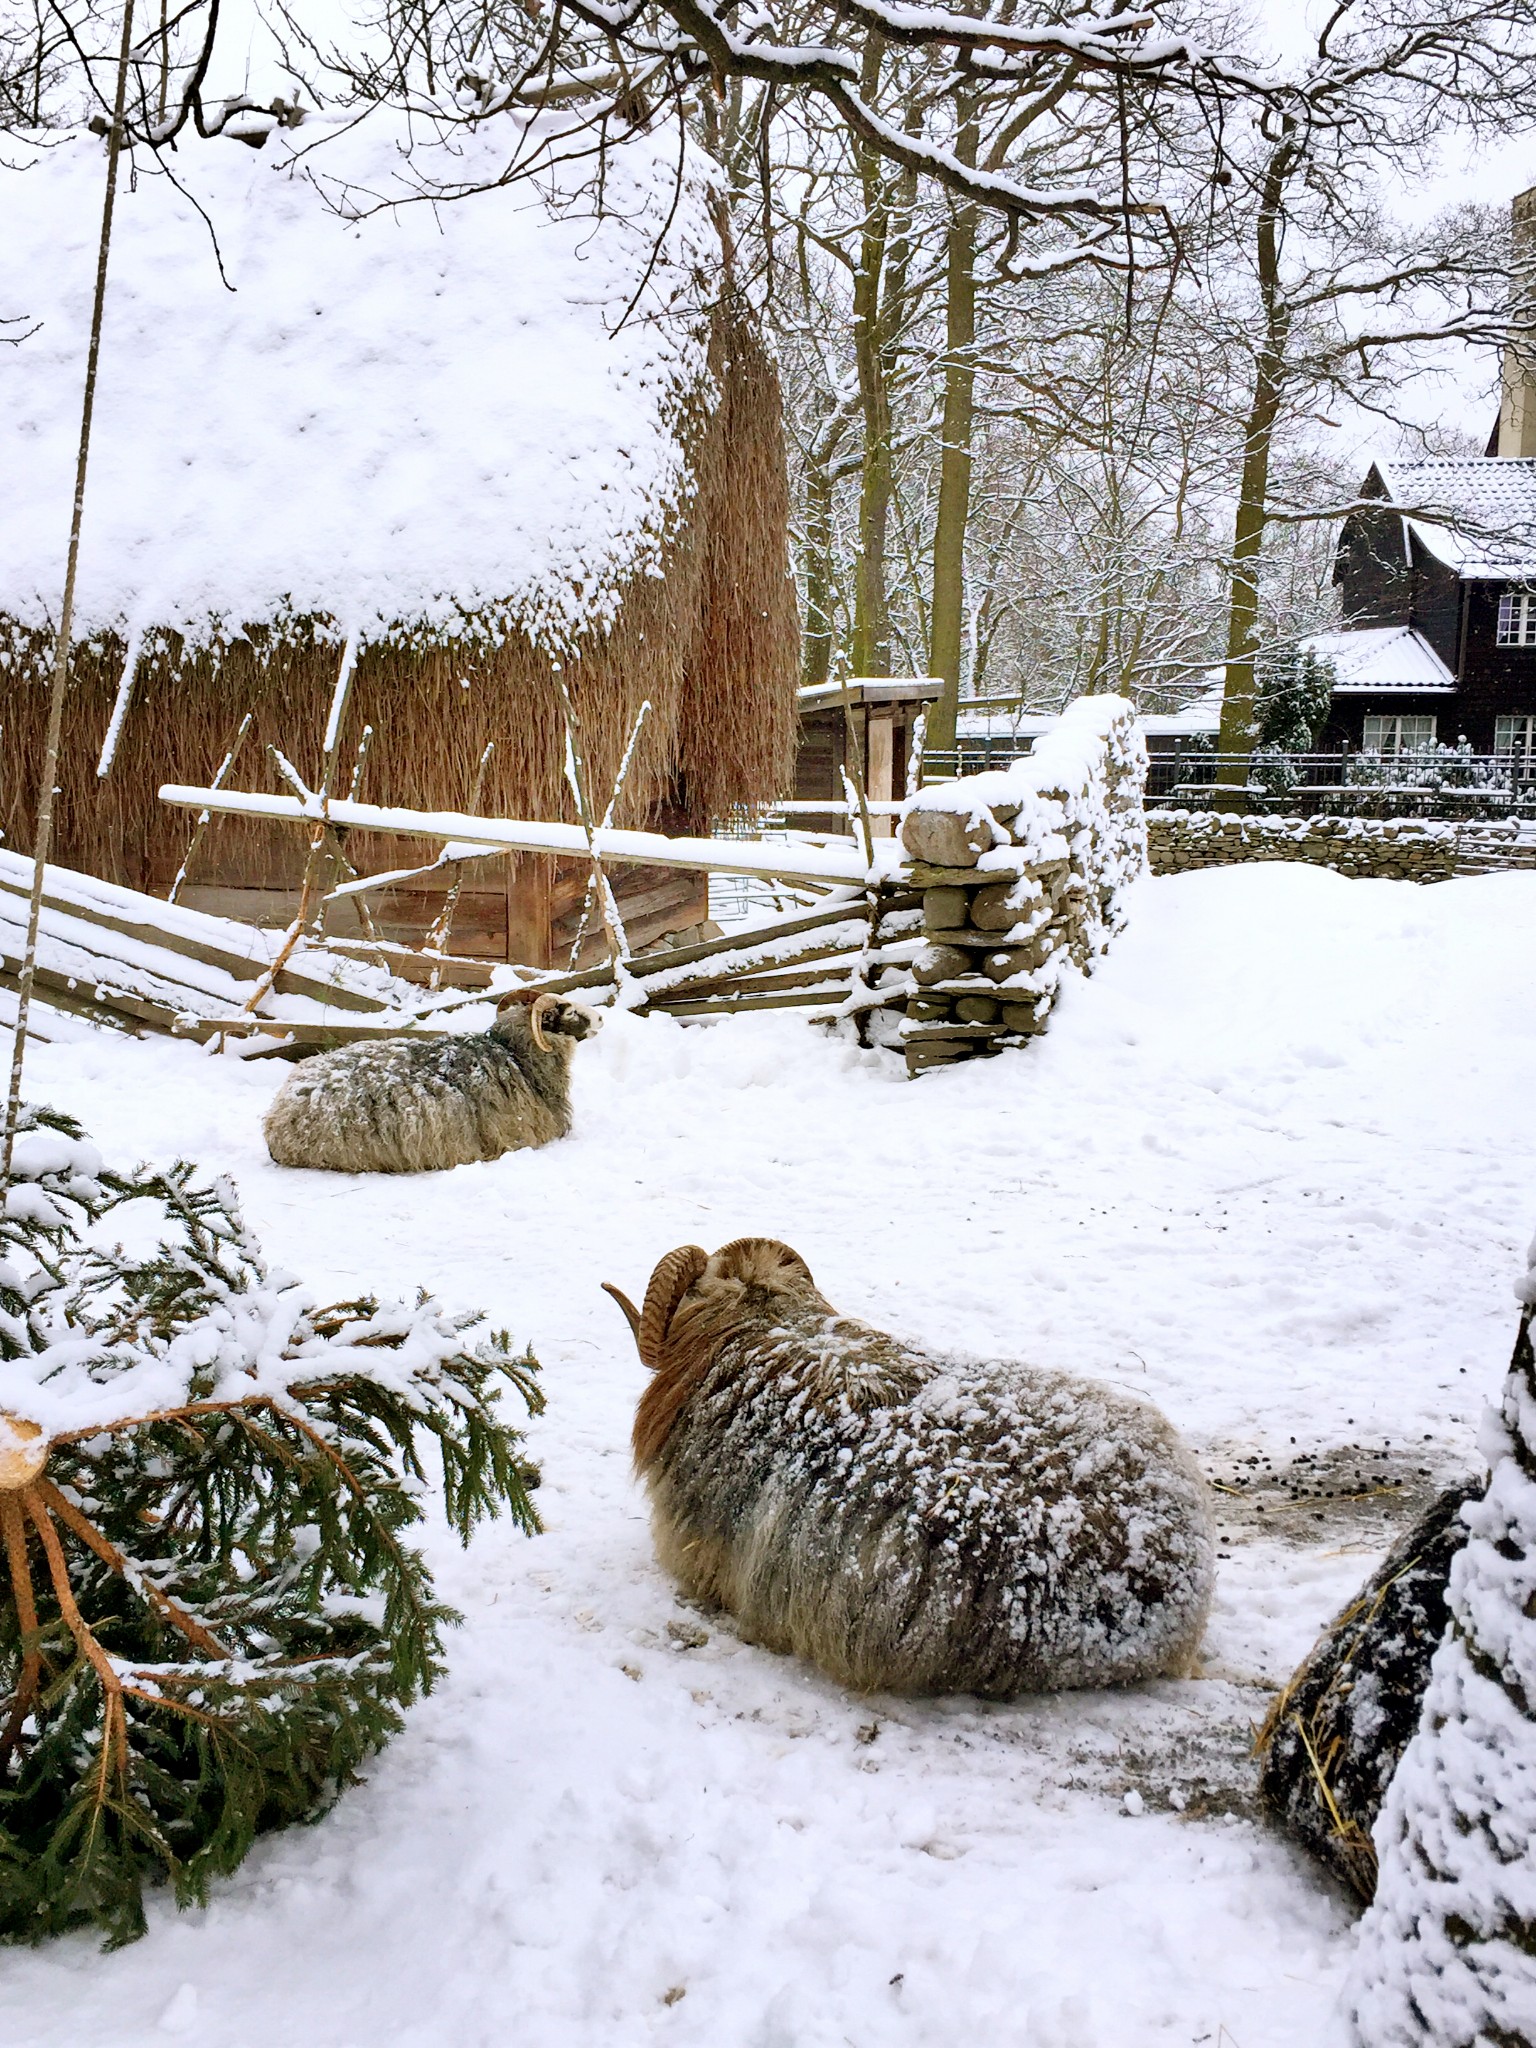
{"type": "Point", "coordinates": [1274, 1168]}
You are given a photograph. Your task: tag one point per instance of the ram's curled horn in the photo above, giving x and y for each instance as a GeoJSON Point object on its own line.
{"type": "Point", "coordinates": [747, 1253]}
{"type": "Point", "coordinates": [542, 1006]}
{"type": "Point", "coordinates": [631, 1313]}
{"type": "Point", "coordinates": [669, 1283]}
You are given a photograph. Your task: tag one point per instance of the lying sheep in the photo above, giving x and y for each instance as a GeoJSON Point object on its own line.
{"type": "Point", "coordinates": [417, 1105]}
{"type": "Point", "coordinates": [912, 1525]}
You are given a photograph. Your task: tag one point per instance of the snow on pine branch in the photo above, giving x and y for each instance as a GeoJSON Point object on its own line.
{"type": "Point", "coordinates": [96, 1333]}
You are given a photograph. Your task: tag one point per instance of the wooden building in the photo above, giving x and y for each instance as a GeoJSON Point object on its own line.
{"type": "Point", "coordinates": [419, 440]}
{"type": "Point", "coordinates": [1439, 589]}
{"type": "Point", "coordinates": [1439, 641]}
{"type": "Point", "coordinates": [871, 718]}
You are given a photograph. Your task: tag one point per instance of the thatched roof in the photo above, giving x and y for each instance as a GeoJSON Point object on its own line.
{"type": "Point", "coordinates": [387, 414]}
{"type": "Point", "coordinates": [424, 424]}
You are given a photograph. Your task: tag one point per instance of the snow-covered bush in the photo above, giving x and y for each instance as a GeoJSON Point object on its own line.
{"type": "Point", "coordinates": [208, 1614]}
{"type": "Point", "coordinates": [1448, 1950]}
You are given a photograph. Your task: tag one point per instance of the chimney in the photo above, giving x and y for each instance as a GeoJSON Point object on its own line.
{"type": "Point", "coordinates": [1517, 405]}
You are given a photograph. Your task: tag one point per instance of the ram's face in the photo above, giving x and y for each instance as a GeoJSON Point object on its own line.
{"type": "Point", "coordinates": [571, 1020]}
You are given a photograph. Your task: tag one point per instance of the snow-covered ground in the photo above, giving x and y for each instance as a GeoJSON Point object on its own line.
{"type": "Point", "coordinates": [1273, 1168]}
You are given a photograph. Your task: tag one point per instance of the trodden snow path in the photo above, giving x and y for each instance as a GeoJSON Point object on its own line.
{"type": "Point", "coordinates": [1273, 1167]}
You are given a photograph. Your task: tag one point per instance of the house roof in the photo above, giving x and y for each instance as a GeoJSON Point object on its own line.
{"type": "Point", "coordinates": [1493, 496]}
{"type": "Point", "coordinates": [418, 414]}
{"type": "Point", "coordinates": [1377, 658]}
{"type": "Point", "coordinates": [1201, 714]}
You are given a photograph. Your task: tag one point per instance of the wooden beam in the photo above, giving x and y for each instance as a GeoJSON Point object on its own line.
{"type": "Point", "coordinates": [781, 861]}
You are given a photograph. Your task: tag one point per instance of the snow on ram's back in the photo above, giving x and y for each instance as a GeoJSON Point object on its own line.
{"type": "Point", "coordinates": [339, 403]}
{"type": "Point", "coordinates": [268, 437]}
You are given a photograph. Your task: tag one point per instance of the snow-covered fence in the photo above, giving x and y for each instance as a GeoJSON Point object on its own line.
{"type": "Point", "coordinates": [1022, 871]}
{"type": "Point", "coordinates": [1391, 849]}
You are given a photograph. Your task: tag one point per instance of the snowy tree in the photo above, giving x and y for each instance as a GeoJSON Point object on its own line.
{"type": "Point", "coordinates": [1448, 1950]}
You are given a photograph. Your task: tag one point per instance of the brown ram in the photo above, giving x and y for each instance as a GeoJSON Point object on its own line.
{"type": "Point", "coordinates": [911, 1524]}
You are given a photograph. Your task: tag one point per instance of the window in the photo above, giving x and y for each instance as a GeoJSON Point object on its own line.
{"type": "Point", "coordinates": [1517, 618]}
{"type": "Point", "coordinates": [1395, 733]}
{"type": "Point", "coordinates": [1514, 741]}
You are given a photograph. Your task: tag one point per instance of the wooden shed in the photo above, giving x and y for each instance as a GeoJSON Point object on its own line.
{"type": "Point", "coordinates": [423, 438]}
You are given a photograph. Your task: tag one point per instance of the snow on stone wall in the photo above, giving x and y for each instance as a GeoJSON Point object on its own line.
{"type": "Point", "coordinates": [1023, 870]}
{"type": "Point", "coordinates": [410, 412]}
{"type": "Point", "coordinates": [1447, 1955]}
{"type": "Point", "coordinates": [1389, 849]}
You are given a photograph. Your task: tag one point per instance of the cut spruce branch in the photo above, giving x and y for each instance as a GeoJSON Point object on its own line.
{"type": "Point", "coordinates": [210, 1614]}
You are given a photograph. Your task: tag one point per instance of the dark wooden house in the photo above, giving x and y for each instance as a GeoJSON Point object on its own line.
{"type": "Point", "coordinates": [1439, 601]}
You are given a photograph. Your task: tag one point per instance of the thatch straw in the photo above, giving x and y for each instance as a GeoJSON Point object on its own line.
{"type": "Point", "coordinates": [713, 642]}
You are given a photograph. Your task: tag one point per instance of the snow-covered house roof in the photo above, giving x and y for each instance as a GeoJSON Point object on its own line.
{"type": "Point", "coordinates": [1494, 498]}
{"type": "Point", "coordinates": [478, 436]}
{"type": "Point", "coordinates": [1377, 658]}
{"type": "Point", "coordinates": [311, 401]}
{"type": "Point", "coordinates": [1202, 714]}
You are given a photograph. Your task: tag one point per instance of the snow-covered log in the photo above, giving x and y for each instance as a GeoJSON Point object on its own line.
{"type": "Point", "coordinates": [1447, 1954]}
{"type": "Point", "coordinates": [1336, 1734]}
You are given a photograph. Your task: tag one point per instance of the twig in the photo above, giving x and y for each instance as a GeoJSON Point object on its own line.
{"type": "Point", "coordinates": [201, 826]}
{"type": "Point", "coordinates": [43, 840]}
{"type": "Point", "coordinates": [441, 928]}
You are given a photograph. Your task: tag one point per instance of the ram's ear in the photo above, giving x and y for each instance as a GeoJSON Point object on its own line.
{"type": "Point", "coordinates": [766, 1260]}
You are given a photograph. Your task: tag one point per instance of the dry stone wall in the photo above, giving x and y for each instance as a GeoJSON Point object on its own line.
{"type": "Point", "coordinates": [1022, 871]}
{"type": "Point", "coordinates": [1394, 849]}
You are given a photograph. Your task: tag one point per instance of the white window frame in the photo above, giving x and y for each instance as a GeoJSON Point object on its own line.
{"type": "Point", "coordinates": [1397, 735]}
{"type": "Point", "coordinates": [1514, 740]}
{"type": "Point", "coordinates": [1517, 618]}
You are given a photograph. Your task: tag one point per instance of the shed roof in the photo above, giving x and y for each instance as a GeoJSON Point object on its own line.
{"type": "Point", "coordinates": [1493, 496]}
{"type": "Point", "coordinates": [422, 414]}
{"type": "Point", "coordinates": [1377, 658]}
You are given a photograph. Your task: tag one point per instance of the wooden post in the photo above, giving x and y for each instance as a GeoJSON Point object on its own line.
{"type": "Point", "coordinates": [880, 775]}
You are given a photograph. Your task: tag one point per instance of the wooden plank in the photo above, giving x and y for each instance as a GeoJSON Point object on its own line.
{"type": "Point", "coordinates": [756, 984]}
{"type": "Point", "coordinates": [849, 912]}
{"type": "Point", "coordinates": [148, 932]}
{"type": "Point", "coordinates": [783, 861]}
{"type": "Point", "coordinates": [763, 974]}
{"type": "Point", "coordinates": [305, 1032]}
{"type": "Point", "coordinates": [68, 1000]}
{"type": "Point", "coordinates": [411, 964]}
{"type": "Point", "coordinates": [727, 1006]}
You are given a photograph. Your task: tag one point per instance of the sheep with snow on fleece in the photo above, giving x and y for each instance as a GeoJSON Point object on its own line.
{"type": "Point", "coordinates": [420, 1104]}
{"type": "Point", "coordinates": [911, 1524]}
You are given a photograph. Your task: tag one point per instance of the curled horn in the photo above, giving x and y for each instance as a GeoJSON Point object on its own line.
{"type": "Point", "coordinates": [631, 1313]}
{"type": "Point", "coordinates": [541, 1005]}
{"type": "Point", "coordinates": [669, 1283]}
{"type": "Point", "coordinates": [743, 1248]}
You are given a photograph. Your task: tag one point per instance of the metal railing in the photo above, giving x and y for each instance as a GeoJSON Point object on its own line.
{"type": "Point", "coordinates": [1445, 783]}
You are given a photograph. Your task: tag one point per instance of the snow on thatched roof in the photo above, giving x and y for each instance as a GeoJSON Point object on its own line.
{"type": "Point", "coordinates": [1493, 500]}
{"type": "Point", "coordinates": [389, 414]}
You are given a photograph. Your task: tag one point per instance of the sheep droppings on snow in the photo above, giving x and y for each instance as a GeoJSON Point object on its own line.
{"type": "Point", "coordinates": [419, 1104]}
{"type": "Point", "coordinates": [911, 1524]}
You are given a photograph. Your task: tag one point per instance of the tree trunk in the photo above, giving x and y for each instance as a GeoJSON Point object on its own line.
{"type": "Point", "coordinates": [871, 611]}
{"type": "Point", "coordinates": [1235, 739]}
{"type": "Point", "coordinates": [947, 628]}
{"type": "Point", "coordinates": [816, 663]}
